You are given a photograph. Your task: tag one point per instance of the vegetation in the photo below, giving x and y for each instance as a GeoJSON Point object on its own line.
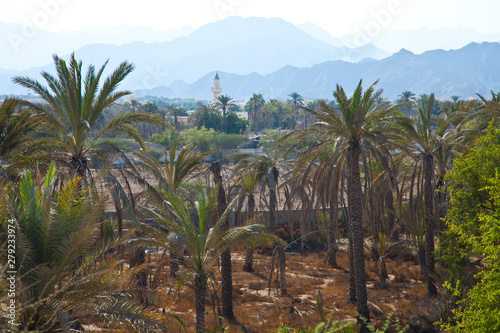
{"type": "Point", "coordinates": [355, 187]}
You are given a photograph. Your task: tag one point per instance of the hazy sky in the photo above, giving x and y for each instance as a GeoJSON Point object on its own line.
{"type": "Point", "coordinates": [337, 17]}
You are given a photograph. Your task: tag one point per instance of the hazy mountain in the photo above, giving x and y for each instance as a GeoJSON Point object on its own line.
{"type": "Point", "coordinates": [472, 69]}
{"type": "Point", "coordinates": [237, 45]}
{"type": "Point", "coordinates": [319, 33]}
{"type": "Point", "coordinates": [420, 40]}
{"type": "Point", "coordinates": [24, 47]}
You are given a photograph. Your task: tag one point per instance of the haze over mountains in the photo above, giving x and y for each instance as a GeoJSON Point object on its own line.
{"type": "Point", "coordinates": [257, 54]}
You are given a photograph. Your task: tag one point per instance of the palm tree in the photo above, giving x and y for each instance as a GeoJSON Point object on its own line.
{"type": "Point", "coordinates": [253, 106]}
{"type": "Point", "coordinates": [202, 111]}
{"type": "Point", "coordinates": [176, 113]}
{"type": "Point", "coordinates": [17, 146]}
{"type": "Point", "coordinates": [62, 279]}
{"type": "Point", "coordinates": [248, 182]}
{"type": "Point", "coordinates": [269, 167]}
{"type": "Point", "coordinates": [75, 111]}
{"type": "Point", "coordinates": [204, 241]}
{"type": "Point", "coordinates": [429, 145]}
{"type": "Point", "coordinates": [132, 104]}
{"type": "Point", "coordinates": [225, 257]}
{"type": "Point", "coordinates": [176, 170]}
{"type": "Point", "coordinates": [407, 97]}
{"type": "Point", "coordinates": [224, 102]}
{"type": "Point", "coordinates": [296, 100]}
{"type": "Point", "coordinates": [358, 126]}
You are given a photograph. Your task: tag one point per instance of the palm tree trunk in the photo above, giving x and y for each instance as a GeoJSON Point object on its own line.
{"type": "Point", "coordinates": [429, 225]}
{"type": "Point", "coordinates": [272, 209]}
{"type": "Point", "coordinates": [200, 291]}
{"type": "Point", "coordinates": [174, 265]}
{"type": "Point", "coordinates": [355, 196]}
{"type": "Point", "coordinates": [393, 229]}
{"type": "Point", "coordinates": [348, 225]}
{"type": "Point", "coordinates": [226, 266]}
{"type": "Point", "coordinates": [248, 265]}
{"type": "Point", "coordinates": [282, 268]}
{"type": "Point", "coordinates": [272, 226]}
{"type": "Point", "coordinates": [332, 223]}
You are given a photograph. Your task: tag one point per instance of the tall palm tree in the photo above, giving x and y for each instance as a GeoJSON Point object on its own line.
{"type": "Point", "coordinates": [248, 182]}
{"type": "Point", "coordinates": [253, 106]}
{"type": "Point", "coordinates": [176, 170]}
{"type": "Point", "coordinates": [225, 258]}
{"type": "Point", "coordinates": [62, 279]}
{"type": "Point", "coordinates": [269, 167]}
{"type": "Point", "coordinates": [204, 241]}
{"type": "Point", "coordinates": [407, 97]}
{"type": "Point", "coordinates": [359, 125]}
{"type": "Point", "coordinates": [224, 102]}
{"type": "Point", "coordinates": [17, 146]}
{"type": "Point", "coordinates": [74, 112]}
{"type": "Point", "coordinates": [296, 100]}
{"type": "Point", "coordinates": [428, 140]}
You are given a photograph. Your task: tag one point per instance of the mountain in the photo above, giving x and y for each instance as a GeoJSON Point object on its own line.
{"type": "Point", "coordinates": [27, 46]}
{"type": "Point", "coordinates": [319, 33]}
{"type": "Point", "coordinates": [420, 40]}
{"type": "Point", "coordinates": [472, 69]}
{"type": "Point", "coordinates": [237, 45]}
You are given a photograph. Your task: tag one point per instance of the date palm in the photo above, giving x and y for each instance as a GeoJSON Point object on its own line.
{"type": "Point", "coordinates": [269, 166]}
{"type": "Point", "coordinates": [224, 102]}
{"type": "Point", "coordinates": [407, 97]}
{"type": "Point", "coordinates": [18, 148]}
{"type": "Point", "coordinates": [296, 101]}
{"type": "Point", "coordinates": [360, 124]}
{"type": "Point", "coordinates": [253, 106]}
{"type": "Point", "coordinates": [74, 107]}
{"type": "Point", "coordinates": [62, 279]}
{"type": "Point", "coordinates": [429, 140]}
{"type": "Point", "coordinates": [171, 176]}
{"type": "Point", "coordinates": [204, 241]}
{"type": "Point", "coordinates": [248, 182]}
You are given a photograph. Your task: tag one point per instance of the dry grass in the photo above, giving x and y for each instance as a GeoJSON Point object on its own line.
{"type": "Point", "coordinates": [259, 311]}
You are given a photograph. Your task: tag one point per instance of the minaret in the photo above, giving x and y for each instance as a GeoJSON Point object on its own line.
{"type": "Point", "coordinates": [272, 97]}
{"type": "Point", "coordinates": [216, 89]}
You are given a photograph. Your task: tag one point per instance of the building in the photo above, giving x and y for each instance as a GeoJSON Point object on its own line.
{"type": "Point", "coordinates": [216, 89]}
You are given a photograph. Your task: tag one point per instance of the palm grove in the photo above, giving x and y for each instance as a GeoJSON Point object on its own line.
{"type": "Point", "coordinates": [380, 174]}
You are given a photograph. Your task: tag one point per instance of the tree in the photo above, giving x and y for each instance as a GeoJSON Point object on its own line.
{"type": "Point", "coordinates": [204, 241]}
{"type": "Point", "coordinates": [248, 182]}
{"type": "Point", "coordinates": [201, 111]}
{"type": "Point", "coordinates": [177, 169]}
{"type": "Point", "coordinates": [253, 107]}
{"type": "Point", "coordinates": [232, 124]}
{"type": "Point", "coordinates": [74, 113]}
{"type": "Point", "coordinates": [474, 229]}
{"type": "Point", "coordinates": [359, 126]}
{"type": "Point", "coordinates": [224, 102]}
{"type": "Point", "coordinates": [428, 144]}
{"type": "Point", "coordinates": [296, 100]}
{"type": "Point", "coordinates": [175, 112]}
{"type": "Point", "coordinates": [18, 148]}
{"type": "Point", "coordinates": [269, 167]}
{"type": "Point", "coordinates": [62, 279]}
{"type": "Point", "coordinates": [407, 97]}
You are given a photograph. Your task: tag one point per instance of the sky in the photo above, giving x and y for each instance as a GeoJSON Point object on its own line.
{"type": "Point", "coordinates": [337, 17]}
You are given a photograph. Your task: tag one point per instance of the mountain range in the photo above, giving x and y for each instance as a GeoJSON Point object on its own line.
{"type": "Point", "coordinates": [257, 54]}
{"type": "Point", "coordinates": [237, 45]}
{"type": "Point", "coordinates": [472, 69]}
